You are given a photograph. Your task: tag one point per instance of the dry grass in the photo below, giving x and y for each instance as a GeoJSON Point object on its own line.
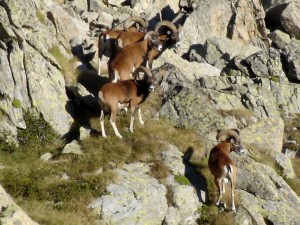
{"type": "Point", "coordinates": [238, 114]}
{"type": "Point", "coordinates": [295, 183]}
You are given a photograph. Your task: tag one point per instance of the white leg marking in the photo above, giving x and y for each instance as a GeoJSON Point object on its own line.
{"type": "Point", "coordinates": [232, 190]}
{"type": "Point", "coordinates": [115, 129]}
{"type": "Point", "coordinates": [220, 191]}
{"type": "Point", "coordinates": [140, 116]}
{"type": "Point", "coordinates": [131, 122]}
{"type": "Point", "coordinates": [102, 123]}
{"type": "Point", "coordinates": [223, 185]}
{"type": "Point", "coordinates": [99, 67]}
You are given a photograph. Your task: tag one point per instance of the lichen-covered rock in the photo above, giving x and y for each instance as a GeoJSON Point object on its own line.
{"type": "Point", "coordinates": [285, 163]}
{"type": "Point", "coordinates": [137, 198]}
{"type": "Point", "coordinates": [263, 193]}
{"type": "Point", "coordinates": [192, 70]}
{"type": "Point", "coordinates": [11, 213]}
{"type": "Point", "coordinates": [185, 105]}
{"type": "Point", "coordinates": [243, 21]}
{"type": "Point", "coordinates": [73, 148]}
{"type": "Point", "coordinates": [172, 158]}
{"type": "Point", "coordinates": [266, 135]}
{"type": "Point", "coordinates": [31, 75]}
{"type": "Point", "coordinates": [218, 51]}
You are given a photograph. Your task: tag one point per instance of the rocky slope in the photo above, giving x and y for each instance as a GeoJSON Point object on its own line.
{"type": "Point", "coordinates": [238, 66]}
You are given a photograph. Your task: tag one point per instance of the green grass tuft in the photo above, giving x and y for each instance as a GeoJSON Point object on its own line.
{"type": "Point", "coordinates": [182, 180]}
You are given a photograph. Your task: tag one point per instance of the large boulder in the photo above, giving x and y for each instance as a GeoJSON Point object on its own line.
{"type": "Point", "coordinates": [262, 192]}
{"type": "Point", "coordinates": [290, 19]}
{"type": "Point", "coordinates": [243, 21]}
{"type": "Point", "coordinates": [136, 199]}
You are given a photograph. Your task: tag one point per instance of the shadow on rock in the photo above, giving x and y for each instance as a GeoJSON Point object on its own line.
{"type": "Point", "coordinates": [195, 178]}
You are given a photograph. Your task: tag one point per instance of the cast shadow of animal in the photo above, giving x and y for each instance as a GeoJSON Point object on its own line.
{"type": "Point", "coordinates": [195, 178]}
{"type": "Point", "coordinates": [84, 108]}
{"type": "Point", "coordinates": [84, 52]}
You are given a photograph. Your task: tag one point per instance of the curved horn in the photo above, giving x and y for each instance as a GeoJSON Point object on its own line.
{"type": "Point", "coordinates": [143, 23]}
{"type": "Point", "coordinates": [149, 34]}
{"type": "Point", "coordinates": [167, 24]}
{"type": "Point", "coordinates": [143, 69]}
{"type": "Point", "coordinates": [224, 135]}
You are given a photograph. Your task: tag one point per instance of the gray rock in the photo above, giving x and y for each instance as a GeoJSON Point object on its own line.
{"type": "Point", "coordinates": [173, 217]}
{"type": "Point", "coordinates": [280, 39]}
{"type": "Point", "coordinates": [191, 70]}
{"type": "Point", "coordinates": [136, 199]}
{"type": "Point", "coordinates": [266, 135]}
{"type": "Point", "coordinates": [73, 148]}
{"type": "Point", "coordinates": [285, 163]}
{"type": "Point", "coordinates": [184, 105]}
{"type": "Point", "coordinates": [186, 201]}
{"type": "Point", "coordinates": [243, 21]}
{"type": "Point", "coordinates": [46, 157]}
{"type": "Point", "coordinates": [292, 56]}
{"type": "Point", "coordinates": [172, 158]}
{"type": "Point", "coordinates": [290, 19]}
{"type": "Point", "coordinates": [263, 193]}
{"type": "Point", "coordinates": [218, 51]}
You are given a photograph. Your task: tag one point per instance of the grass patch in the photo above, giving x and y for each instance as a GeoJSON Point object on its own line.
{"type": "Point", "coordinates": [182, 180]}
{"type": "Point", "coordinates": [247, 114]}
{"type": "Point", "coordinates": [291, 133]}
{"type": "Point", "coordinates": [34, 183]}
{"type": "Point", "coordinates": [210, 215]}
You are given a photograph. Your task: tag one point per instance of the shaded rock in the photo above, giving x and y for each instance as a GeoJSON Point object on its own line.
{"type": "Point", "coordinates": [280, 39]}
{"type": "Point", "coordinates": [290, 19]}
{"type": "Point", "coordinates": [292, 57]}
